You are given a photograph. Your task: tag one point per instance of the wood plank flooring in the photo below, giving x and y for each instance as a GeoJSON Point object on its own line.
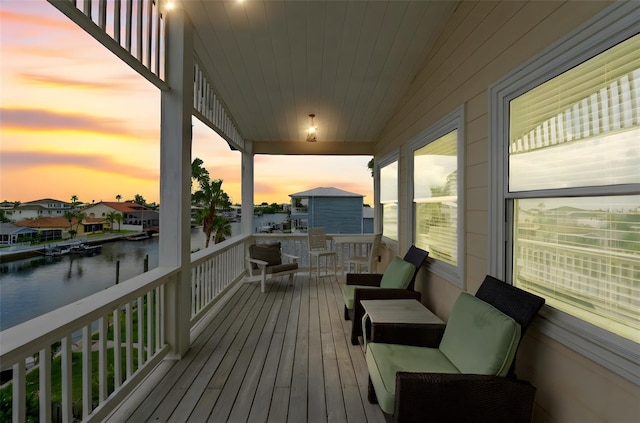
{"type": "Point", "coordinates": [279, 356]}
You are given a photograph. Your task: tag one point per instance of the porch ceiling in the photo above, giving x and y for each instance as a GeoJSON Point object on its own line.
{"type": "Point", "coordinates": [349, 63]}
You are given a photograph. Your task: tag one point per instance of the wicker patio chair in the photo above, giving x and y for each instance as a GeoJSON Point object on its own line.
{"type": "Point", "coordinates": [446, 397]}
{"type": "Point", "coordinates": [369, 289]}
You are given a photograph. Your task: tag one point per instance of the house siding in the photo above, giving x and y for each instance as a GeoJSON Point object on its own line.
{"type": "Point", "coordinates": [481, 43]}
{"type": "Point", "coordinates": [338, 215]}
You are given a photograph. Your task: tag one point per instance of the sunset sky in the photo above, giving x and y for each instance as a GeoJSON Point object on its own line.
{"type": "Point", "coordinates": [75, 120]}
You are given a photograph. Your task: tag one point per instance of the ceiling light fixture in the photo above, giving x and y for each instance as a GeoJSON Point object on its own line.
{"type": "Point", "coordinates": [311, 133]}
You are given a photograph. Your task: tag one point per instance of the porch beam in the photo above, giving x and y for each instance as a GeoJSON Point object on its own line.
{"type": "Point", "coordinates": [175, 178]}
{"type": "Point", "coordinates": [321, 148]}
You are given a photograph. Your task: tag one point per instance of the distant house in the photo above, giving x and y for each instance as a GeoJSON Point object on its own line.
{"type": "Point", "coordinates": [58, 227]}
{"type": "Point", "coordinates": [12, 234]}
{"type": "Point", "coordinates": [132, 213]}
{"type": "Point", "coordinates": [367, 220]}
{"type": "Point", "coordinates": [338, 211]}
{"type": "Point", "coordinates": [46, 207]}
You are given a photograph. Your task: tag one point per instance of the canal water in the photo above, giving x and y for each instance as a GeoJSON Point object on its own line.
{"type": "Point", "coordinates": [34, 286]}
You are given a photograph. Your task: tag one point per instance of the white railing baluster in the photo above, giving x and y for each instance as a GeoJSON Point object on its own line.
{"type": "Point", "coordinates": [102, 14]}
{"type": "Point", "coordinates": [86, 371]}
{"type": "Point", "coordinates": [86, 8]}
{"type": "Point", "coordinates": [149, 37]}
{"type": "Point", "coordinates": [117, 17]}
{"type": "Point", "coordinates": [19, 392]}
{"type": "Point", "coordinates": [128, 339]}
{"type": "Point", "coordinates": [67, 377]}
{"type": "Point", "coordinates": [139, 30]}
{"type": "Point", "coordinates": [128, 21]}
{"type": "Point", "coordinates": [140, 333]}
{"type": "Point", "coordinates": [44, 364]}
{"type": "Point", "coordinates": [117, 349]}
{"type": "Point", "coordinates": [102, 360]}
{"type": "Point", "coordinates": [149, 324]}
{"type": "Point", "coordinates": [158, 40]}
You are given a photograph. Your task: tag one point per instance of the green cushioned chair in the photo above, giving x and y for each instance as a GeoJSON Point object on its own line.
{"type": "Point", "coordinates": [479, 341]}
{"type": "Point", "coordinates": [392, 284]}
{"type": "Point", "coordinates": [397, 276]}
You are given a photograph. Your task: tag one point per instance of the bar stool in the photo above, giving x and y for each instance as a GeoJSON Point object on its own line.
{"type": "Point", "coordinates": [317, 240]}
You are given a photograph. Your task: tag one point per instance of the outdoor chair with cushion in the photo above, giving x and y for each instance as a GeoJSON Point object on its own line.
{"type": "Point", "coordinates": [462, 379]}
{"type": "Point", "coordinates": [397, 282]}
{"type": "Point", "coordinates": [266, 261]}
{"type": "Point", "coordinates": [462, 393]}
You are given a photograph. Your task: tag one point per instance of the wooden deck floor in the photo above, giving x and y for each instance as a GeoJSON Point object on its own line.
{"type": "Point", "coordinates": [281, 356]}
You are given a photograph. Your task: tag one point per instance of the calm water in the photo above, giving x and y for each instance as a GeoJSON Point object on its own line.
{"type": "Point", "coordinates": [34, 286]}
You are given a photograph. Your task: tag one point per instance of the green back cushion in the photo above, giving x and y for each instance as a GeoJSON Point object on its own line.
{"type": "Point", "coordinates": [479, 338]}
{"type": "Point", "coordinates": [398, 274]}
{"type": "Point", "coordinates": [266, 252]}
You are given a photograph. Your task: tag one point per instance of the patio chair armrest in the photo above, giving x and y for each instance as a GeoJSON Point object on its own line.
{"type": "Point", "coordinates": [369, 279]}
{"type": "Point", "coordinates": [374, 294]}
{"type": "Point", "coordinates": [260, 263]}
{"type": "Point", "coordinates": [294, 259]}
{"type": "Point", "coordinates": [462, 398]}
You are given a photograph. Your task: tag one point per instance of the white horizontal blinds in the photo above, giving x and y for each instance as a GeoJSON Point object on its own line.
{"type": "Point", "coordinates": [436, 198]}
{"type": "Point", "coordinates": [389, 200]}
{"type": "Point", "coordinates": [597, 106]}
{"type": "Point", "coordinates": [583, 256]}
{"type": "Point", "coordinates": [603, 81]}
{"type": "Point", "coordinates": [389, 183]}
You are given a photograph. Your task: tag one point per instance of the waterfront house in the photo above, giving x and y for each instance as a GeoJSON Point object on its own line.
{"type": "Point", "coordinates": [476, 114]}
{"type": "Point", "coordinates": [338, 211]}
{"type": "Point", "coordinates": [46, 207]}
{"type": "Point", "coordinates": [133, 214]}
{"type": "Point", "coordinates": [12, 234]}
{"type": "Point", "coordinates": [58, 227]}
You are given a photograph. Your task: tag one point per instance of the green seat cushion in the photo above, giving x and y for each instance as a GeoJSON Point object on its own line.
{"type": "Point", "coordinates": [349, 293]}
{"type": "Point", "coordinates": [398, 274]}
{"type": "Point", "coordinates": [479, 338]}
{"type": "Point", "coordinates": [385, 360]}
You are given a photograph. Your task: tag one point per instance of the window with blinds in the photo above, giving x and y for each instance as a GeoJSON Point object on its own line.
{"type": "Point", "coordinates": [574, 187]}
{"type": "Point", "coordinates": [389, 200]}
{"type": "Point", "coordinates": [435, 185]}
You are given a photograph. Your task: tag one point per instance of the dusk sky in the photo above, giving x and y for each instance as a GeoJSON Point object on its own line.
{"type": "Point", "coordinates": [75, 120]}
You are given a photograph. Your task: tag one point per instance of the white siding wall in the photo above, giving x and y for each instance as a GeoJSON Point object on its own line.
{"type": "Point", "coordinates": [482, 42]}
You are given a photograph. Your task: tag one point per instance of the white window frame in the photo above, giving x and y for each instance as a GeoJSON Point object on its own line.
{"type": "Point", "coordinates": [453, 121]}
{"type": "Point", "coordinates": [607, 29]}
{"type": "Point", "coordinates": [379, 164]}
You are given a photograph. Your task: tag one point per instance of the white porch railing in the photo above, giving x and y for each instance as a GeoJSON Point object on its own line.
{"type": "Point", "coordinates": [121, 329]}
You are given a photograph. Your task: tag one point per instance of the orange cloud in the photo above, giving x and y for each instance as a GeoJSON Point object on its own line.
{"type": "Point", "coordinates": [128, 83]}
{"type": "Point", "coordinates": [47, 120]}
{"type": "Point", "coordinates": [20, 19]}
{"type": "Point", "coordinates": [21, 161]}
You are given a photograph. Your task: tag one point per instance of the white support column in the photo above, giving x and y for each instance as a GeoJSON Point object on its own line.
{"type": "Point", "coordinates": [247, 189]}
{"type": "Point", "coordinates": [175, 178]}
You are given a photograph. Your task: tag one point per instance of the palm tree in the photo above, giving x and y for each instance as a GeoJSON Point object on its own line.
{"type": "Point", "coordinates": [80, 216]}
{"type": "Point", "coordinates": [221, 228]}
{"type": "Point", "coordinates": [209, 197]}
{"type": "Point", "coordinates": [69, 215]}
{"type": "Point", "coordinates": [111, 217]}
{"type": "Point", "coordinates": [74, 200]}
{"type": "Point", "coordinates": [118, 218]}
{"type": "Point", "coordinates": [118, 197]}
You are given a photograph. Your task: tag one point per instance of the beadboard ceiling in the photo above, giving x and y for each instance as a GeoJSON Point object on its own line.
{"type": "Point", "coordinates": [349, 63]}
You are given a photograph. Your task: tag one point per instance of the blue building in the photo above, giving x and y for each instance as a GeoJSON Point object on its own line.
{"type": "Point", "coordinates": [338, 211]}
